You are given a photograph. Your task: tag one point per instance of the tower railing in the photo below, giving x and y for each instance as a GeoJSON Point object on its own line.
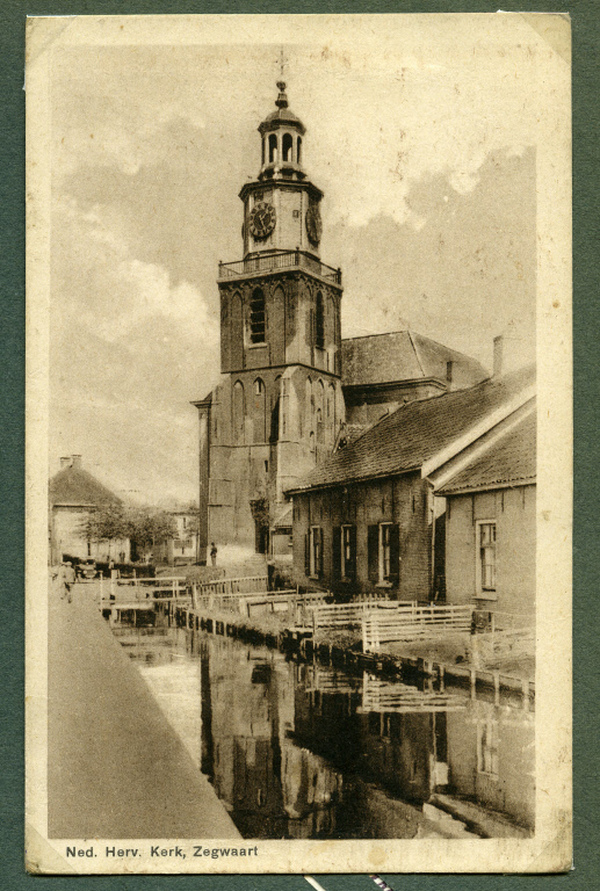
{"type": "Point", "coordinates": [280, 260]}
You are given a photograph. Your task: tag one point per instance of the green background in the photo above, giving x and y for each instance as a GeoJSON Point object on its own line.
{"type": "Point", "coordinates": [585, 16]}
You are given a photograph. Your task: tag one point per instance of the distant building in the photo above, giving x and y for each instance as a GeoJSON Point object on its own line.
{"type": "Point", "coordinates": [183, 546]}
{"type": "Point", "coordinates": [73, 494]}
{"type": "Point", "coordinates": [367, 519]}
{"type": "Point", "coordinates": [291, 389]}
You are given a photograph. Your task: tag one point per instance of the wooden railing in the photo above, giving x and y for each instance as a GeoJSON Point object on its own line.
{"type": "Point", "coordinates": [346, 615]}
{"type": "Point", "coordinates": [289, 605]}
{"type": "Point", "coordinates": [414, 622]}
{"type": "Point", "coordinates": [229, 587]}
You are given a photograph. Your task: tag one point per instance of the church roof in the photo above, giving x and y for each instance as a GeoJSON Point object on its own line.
{"type": "Point", "coordinates": [416, 432]}
{"type": "Point", "coordinates": [509, 461]}
{"type": "Point", "coordinates": [73, 485]}
{"type": "Point", "coordinates": [405, 356]}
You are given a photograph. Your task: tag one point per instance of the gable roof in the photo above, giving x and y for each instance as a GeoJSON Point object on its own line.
{"type": "Point", "coordinates": [418, 431]}
{"type": "Point", "coordinates": [509, 461]}
{"type": "Point", "coordinates": [404, 356]}
{"type": "Point", "coordinates": [73, 485]}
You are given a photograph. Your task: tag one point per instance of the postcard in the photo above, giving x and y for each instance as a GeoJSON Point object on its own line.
{"type": "Point", "coordinates": [299, 439]}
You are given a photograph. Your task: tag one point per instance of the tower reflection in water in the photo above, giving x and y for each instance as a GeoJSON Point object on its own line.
{"type": "Point", "coordinates": [305, 751]}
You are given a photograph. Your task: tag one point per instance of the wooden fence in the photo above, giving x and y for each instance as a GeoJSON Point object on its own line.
{"type": "Point", "coordinates": [414, 622]}
{"type": "Point", "coordinates": [382, 696]}
{"type": "Point", "coordinates": [289, 605]}
{"type": "Point", "coordinates": [229, 587]}
{"type": "Point", "coordinates": [346, 615]}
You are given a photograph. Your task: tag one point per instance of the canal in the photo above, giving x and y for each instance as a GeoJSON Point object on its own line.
{"type": "Point", "coordinates": [300, 750]}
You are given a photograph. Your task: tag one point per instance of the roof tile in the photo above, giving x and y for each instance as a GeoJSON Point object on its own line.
{"type": "Point", "coordinates": [415, 432]}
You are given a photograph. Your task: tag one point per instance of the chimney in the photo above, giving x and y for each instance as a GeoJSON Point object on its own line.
{"type": "Point", "coordinates": [498, 355]}
{"type": "Point", "coordinates": [70, 461]}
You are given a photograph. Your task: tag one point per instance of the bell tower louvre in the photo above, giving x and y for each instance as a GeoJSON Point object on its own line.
{"type": "Point", "coordinates": [278, 408]}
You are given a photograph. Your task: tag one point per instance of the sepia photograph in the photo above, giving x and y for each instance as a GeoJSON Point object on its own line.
{"type": "Point", "coordinates": [299, 442]}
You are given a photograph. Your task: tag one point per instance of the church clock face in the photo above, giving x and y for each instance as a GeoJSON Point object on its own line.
{"type": "Point", "coordinates": [262, 219]}
{"type": "Point", "coordinates": [314, 226]}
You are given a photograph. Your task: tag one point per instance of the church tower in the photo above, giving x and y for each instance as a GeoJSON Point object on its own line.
{"type": "Point", "coordinates": [279, 405]}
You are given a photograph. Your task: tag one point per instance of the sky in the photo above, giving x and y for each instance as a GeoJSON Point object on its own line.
{"type": "Point", "coordinates": [421, 131]}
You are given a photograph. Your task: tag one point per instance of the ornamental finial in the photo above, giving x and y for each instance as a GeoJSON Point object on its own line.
{"type": "Point", "coordinates": [281, 101]}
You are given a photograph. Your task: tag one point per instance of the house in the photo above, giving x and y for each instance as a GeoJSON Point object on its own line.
{"type": "Point", "coordinates": [182, 547]}
{"type": "Point", "coordinates": [73, 493]}
{"type": "Point", "coordinates": [491, 523]}
{"type": "Point", "coordinates": [367, 519]}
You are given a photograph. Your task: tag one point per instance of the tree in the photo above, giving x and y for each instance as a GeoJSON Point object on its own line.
{"type": "Point", "coordinates": [147, 527]}
{"type": "Point", "coordinates": [143, 526]}
{"type": "Point", "coordinates": [108, 522]}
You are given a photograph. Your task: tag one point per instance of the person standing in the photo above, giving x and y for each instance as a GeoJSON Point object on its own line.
{"type": "Point", "coordinates": [66, 578]}
{"type": "Point", "coordinates": [213, 553]}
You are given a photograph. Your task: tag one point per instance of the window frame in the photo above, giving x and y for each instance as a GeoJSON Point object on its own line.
{"type": "Point", "coordinates": [255, 325]}
{"type": "Point", "coordinates": [383, 578]}
{"type": "Point", "coordinates": [487, 748]}
{"type": "Point", "coordinates": [486, 592]}
{"type": "Point", "coordinates": [315, 551]}
{"type": "Point", "coordinates": [347, 562]}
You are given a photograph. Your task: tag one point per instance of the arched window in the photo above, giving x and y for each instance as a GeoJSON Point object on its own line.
{"type": "Point", "coordinates": [319, 426]}
{"type": "Point", "coordinates": [320, 396]}
{"type": "Point", "coordinates": [312, 443]}
{"type": "Point", "coordinates": [275, 406]}
{"type": "Point", "coordinates": [259, 412]}
{"type": "Point", "coordinates": [308, 406]}
{"type": "Point", "coordinates": [236, 332]}
{"type": "Point", "coordinates": [238, 413]}
{"type": "Point", "coordinates": [320, 322]}
{"type": "Point", "coordinates": [331, 405]}
{"type": "Point", "coordinates": [257, 316]}
{"type": "Point", "coordinates": [273, 148]}
{"type": "Point", "coordinates": [287, 146]}
{"type": "Point", "coordinates": [299, 151]}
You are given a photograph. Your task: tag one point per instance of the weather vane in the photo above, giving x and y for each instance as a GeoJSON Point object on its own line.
{"type": "Point", "coordinates": [281, 63]}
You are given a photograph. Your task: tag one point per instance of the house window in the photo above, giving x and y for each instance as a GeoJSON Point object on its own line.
{"type": "Point", "coordinates": [384, 551]}
{"type": "Point", "coordinates": [486, 559]}
{"type": "Point", "coordinates": [384, 554]}
{"type": "Point", "coordinates": [257, 317]}
{"type": "Point", "coordinates": [348, 552]}
{"type": "Point", "coordinates": [315, 551]}
{"type": "Point", "coordinates": [487, 747]}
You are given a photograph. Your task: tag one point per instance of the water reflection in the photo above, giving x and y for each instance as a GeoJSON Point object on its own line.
{"type": "Point", "coordinates": [304, 751]}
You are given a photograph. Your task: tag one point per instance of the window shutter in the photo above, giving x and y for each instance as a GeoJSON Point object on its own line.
{"type": "Point", "coordinates": [352, 566]}
{"type": "Point", "coordinates": [373, 549]}
{"type": "Point", "coordinates": [394, 554]}
{"type": "Point", "coordinates": [320, 566]}
{"type": "Point", "coordinates": [307, 554]}
{"type": "Point", "coordinates": [336, 552]}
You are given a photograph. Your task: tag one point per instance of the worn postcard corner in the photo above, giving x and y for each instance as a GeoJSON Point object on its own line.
{"type": "Point", "coordinates": [299, 444]}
